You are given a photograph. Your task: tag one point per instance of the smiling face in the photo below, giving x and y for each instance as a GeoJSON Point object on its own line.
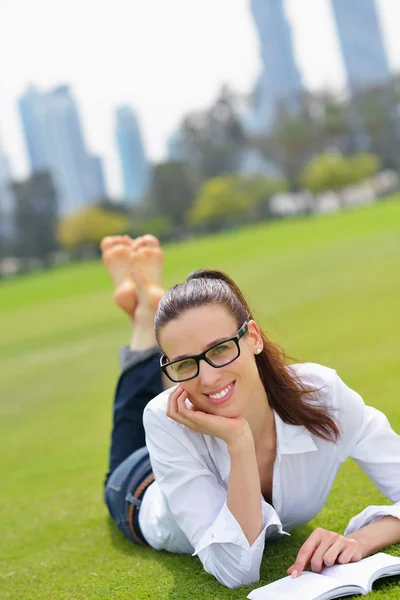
{"type": "Point", "coordinates": [228, 390]}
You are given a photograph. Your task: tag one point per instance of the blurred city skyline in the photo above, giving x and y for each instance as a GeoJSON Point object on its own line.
{"type": "Point", "coordinates": [162, 58]}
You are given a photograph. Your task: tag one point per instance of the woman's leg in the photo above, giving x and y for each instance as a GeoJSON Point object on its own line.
{"type": "Point", "coordinates": [129, 464]}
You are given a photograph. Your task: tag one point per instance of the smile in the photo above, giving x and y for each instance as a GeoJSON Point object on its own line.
{"type": "Point", "coordinates": [223, 395]}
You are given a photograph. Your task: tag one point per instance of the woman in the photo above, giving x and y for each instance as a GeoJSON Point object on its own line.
{"type": "Point", "coordinates": [244, 447]}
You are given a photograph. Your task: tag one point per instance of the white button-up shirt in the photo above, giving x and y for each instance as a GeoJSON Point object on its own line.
{"type": "Point", "coordinates": [185, 510]}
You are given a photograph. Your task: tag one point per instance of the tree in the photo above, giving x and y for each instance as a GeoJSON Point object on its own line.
{"type": "Point", "coordinates": [327, 172]}
{"type": "Point", "coordinates": [87, 227]}
{"type": "Point", "coordinates": [363, 166]}
{"type": "Point", "coordinates": [173, 188]}
{"type": "Point", "coordinates": [289, 146]}
{"type": "Point", "coordinates": [228, 198]}
{"type": "Point", "coordinates": [35, 217]}
{"type": "Point", "coordinates": [214, 139]}
{"type": "Point", "coordinates": [331, 121]}
{"type": "Point", "coordinates": [376, 121]}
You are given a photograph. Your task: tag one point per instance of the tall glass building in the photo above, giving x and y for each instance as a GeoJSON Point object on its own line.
{"type": "Point", "coordinates": [55, 143]}
{"type": "Point", "coordinates": [33, 118]}
{"type": "Point", "coordinates": [361, 41]}
{"type": "Point", "coordinates": [135, 169]}
{"type": "Point", "coordinates": [280, 78]}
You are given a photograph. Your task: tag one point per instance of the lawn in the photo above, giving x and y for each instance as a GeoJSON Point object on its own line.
{"type": "Point", "coordinates": [326, 287]}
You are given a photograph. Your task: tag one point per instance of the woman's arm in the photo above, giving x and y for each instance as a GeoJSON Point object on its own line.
{"type": "Point", "coordinates": [368, 438]}
{"type": "Point", "coordinates": [380, 534]}
{"type": "Point", "coordinates": [244, 488]}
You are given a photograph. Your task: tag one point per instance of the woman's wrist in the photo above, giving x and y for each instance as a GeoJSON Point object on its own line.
{"type": "Point", "coordinates": [378, 535]}
{"type": "Point", "coordinates": [362, 541]}
{"type": "Point", "coordinates": [242, 441]}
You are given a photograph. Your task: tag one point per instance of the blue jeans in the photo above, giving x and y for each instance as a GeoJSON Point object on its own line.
{"type": "Point", "coordinates": [130, 472]}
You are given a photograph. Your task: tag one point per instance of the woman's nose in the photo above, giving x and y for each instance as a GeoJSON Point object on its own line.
{"type": "Point", "coordinates": [208, 376]}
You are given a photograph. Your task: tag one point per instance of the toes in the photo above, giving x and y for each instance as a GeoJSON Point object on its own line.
{"type": "Point", "coordinates": [150, 240]}
{"type": "Point", "coordinates": [147, 240]}
{"type": "Point", "coordinates": [137, 242]}
{"type": "Point", "coordinates": [106, 243]}
{"type": "Point", "coordinates": [115, 240]}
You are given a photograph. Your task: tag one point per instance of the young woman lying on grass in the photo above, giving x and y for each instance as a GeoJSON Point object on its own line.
{"type": "Point", "coordinates": [243, 447]}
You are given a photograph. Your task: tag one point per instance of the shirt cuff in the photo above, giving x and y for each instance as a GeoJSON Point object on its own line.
{"type": "Point", "coordinates": [372, 514]}
{"type": "Point", "coordinates": [226, 529]}
{"type": "Point", "coordinates": [128, 358]}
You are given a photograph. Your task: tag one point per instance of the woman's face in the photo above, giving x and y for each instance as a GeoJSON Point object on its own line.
{"type": "Point", "coordinates": [195, 331]}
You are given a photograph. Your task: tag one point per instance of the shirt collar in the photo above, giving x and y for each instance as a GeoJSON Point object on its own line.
{"type": "Point", "coordinates": [292, 439]}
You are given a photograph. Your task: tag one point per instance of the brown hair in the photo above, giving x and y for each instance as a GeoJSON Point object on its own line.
{"type": "Point", "coordinates": [295, 402]}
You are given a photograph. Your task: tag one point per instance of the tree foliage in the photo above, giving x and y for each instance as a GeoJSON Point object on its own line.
{"type": "Point", "coordinates": [35, 216]}
{"type": "Point", "coordinates": [225, 198]}
{"type": "Point", "coordinates": [327, 172]}
{"type": "Point", "coordinates": [89, 226]}
{"type": "Point", "coordinates": [173, 188]}
{"type": "Point", "coordinates": [363, 165]}
{"type": "Point", "coordinates": [288, 146]}
{"type": "Point", "coordinates": [334, 171]}
{"type": "Point", "coordinates": [214, 139]}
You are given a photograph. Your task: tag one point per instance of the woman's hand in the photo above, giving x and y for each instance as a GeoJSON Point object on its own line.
{"type": "Point", "coordinates": [323, 549]}
{"type": "Point", "coordinates": [226, 428]}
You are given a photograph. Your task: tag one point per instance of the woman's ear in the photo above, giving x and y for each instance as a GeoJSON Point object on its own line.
{"type": "Point", "coordinates": [254, 337]}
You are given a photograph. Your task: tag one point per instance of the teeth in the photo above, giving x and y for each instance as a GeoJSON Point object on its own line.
{"type": "Point", "coordinates": [220, 394]}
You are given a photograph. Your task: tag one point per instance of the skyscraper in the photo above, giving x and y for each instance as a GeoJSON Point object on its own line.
{"type": "Point", "coordinates": [279, 78]}
{"type": "Point", "coordinates": [33, 116]}
{"type": "Point", "coordinates": [361, 41]}
{"type": "Point", "coordinates": [55, 143]}
{"type": "Point", "coordinates": [134, 165]}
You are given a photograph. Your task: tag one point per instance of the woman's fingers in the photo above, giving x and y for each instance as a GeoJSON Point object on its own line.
{"type": "Point", "coordinates": [177, 409]}
{"type": "Point", "coordinates": [172, 404]}
{"type": "Point", "coordinates": [304, 555]}
{"type": "Point", "coordinates": [343, 551]}
{"type": "Point", "coordinates": [324, 548]}
{"type": "Point", "coordinates": [312, 551]}
{"type": "Point", "coordinates": [350, 554]}
{"type": "Point", "coordinates": [329, 540]}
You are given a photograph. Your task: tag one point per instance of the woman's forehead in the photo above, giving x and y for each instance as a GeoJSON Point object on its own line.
{"type": "Point", "coordinates": [196, 329]}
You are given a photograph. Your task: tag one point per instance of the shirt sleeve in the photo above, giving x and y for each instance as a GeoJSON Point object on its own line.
{"type": "Point", "coordinates": [375, 447]}
{"type": "Point", "coordinates": [197, 500]}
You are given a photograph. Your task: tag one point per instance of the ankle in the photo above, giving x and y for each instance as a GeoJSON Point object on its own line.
{"type": "Point", "coordinates": [143, 335]}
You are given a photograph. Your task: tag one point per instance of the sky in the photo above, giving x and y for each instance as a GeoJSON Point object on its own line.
{"type": "Point", "coordinates": [164, 58]}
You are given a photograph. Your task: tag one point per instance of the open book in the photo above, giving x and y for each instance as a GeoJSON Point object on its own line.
{"type": "Point", "coordinates": [332, 582]}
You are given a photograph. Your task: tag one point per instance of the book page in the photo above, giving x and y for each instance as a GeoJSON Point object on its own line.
{"type": "Point", "coordinates": [307, 587]}
{"type": "Point", "coordinates": [362, 572]}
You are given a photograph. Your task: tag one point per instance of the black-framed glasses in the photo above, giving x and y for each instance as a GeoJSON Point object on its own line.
{"type": "Point", "coordinates": [217, 356]}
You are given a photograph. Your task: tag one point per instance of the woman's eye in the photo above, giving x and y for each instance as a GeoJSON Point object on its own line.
{"type": "Point", "coordinates": [219, 349]}
{"type": "Point", "coordinates": [187, 364]}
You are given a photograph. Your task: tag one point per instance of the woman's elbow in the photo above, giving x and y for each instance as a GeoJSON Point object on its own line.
{"type": "Point", "coordinates": [232, 576]}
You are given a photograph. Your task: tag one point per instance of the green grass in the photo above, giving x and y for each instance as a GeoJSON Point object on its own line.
{"type": "Point", "coordinates": [326, 287]}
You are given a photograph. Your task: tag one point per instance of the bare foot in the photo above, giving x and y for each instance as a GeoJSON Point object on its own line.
{"type": "Point", "coordinates": [116, 258]}
{"type": "Point", "coordinates": [146, 263]}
